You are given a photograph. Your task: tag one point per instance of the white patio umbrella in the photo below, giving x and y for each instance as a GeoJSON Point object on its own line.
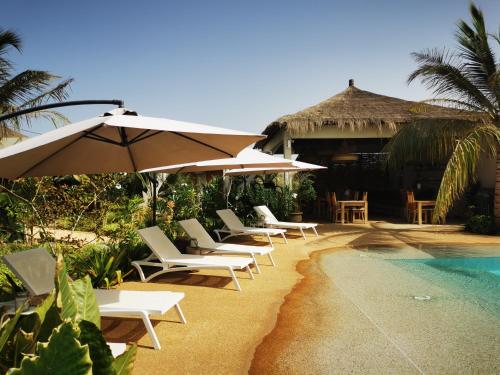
{"type": "Point", "coordinates": [247, 158]}
{"type": "Point", "coordinates": [297, 166]}
{"type": "Point", "coordinates": [119, 141]}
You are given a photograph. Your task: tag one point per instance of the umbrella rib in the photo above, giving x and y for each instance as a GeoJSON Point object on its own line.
{"type": "Point", "coordinates": [125, 143]}
{"type": "Point", "coordinates": [138, 138]}
{"type": "Point", "coordinates": [56, 152]}
{"type": "Point", "coordinates": [100, 138]}
{"type": "Point", "coordinates": [203, 143]}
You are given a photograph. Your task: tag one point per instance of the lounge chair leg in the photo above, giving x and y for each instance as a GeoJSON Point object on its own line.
{"type": "Point", "coordinates": [235, 280]}
{"type": "Point", "coordinates": [257, 268]}
{"type": "Point", "coordinates": [249, 270]}
{"type": "Point", "coordinates": [151, 330]}
{"type": "Point", "coordinates": [302, 232]}
{"type": "Point", "coordinates": [271, 259]}
{"type": "Point", "coordinates": [181, 315]}
{"type": "Point", "coordinates": [139, 269]}
{"type": "Point", "coordinates": [269, 239]}
{"type": "Point", "coordinates": [284, 237]}
{"type": "Point", "coordinates": [315, 232]}
{"type": "Point", "coordinates": [218, 235]}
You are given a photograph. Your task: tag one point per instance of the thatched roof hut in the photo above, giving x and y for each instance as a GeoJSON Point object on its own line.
{"type": "Point", "coordinates": [355, 108]}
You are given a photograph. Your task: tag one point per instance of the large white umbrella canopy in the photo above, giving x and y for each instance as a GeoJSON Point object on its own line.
{"type": "Point", "coordinates": [297, 166]}
{"type": "Point", "coordinates": [247, 158]}
{"type": "Point", "coordinates": [119, 141]}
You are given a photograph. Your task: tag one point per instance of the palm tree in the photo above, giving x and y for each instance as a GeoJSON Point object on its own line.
{"type": "Point", "coordinates": [467, 79]}
{"type": "Point", "coordinates": [26, 89]}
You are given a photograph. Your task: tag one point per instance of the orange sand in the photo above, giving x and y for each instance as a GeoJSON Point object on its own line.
{"type": "Point", "coordinates": [230, 332]}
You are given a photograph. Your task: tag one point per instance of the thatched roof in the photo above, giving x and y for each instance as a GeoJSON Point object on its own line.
{"type": "Point", "coordinates": [355, 108]}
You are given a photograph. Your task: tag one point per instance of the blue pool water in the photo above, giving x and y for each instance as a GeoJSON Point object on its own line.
{"type": "Point", "coordinates": [472, 279]}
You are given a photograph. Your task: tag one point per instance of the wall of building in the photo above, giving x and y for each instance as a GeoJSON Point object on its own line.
{"type": "Point", "coordinates": [486, 172]}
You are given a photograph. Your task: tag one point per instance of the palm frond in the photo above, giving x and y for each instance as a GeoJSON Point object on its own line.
{"type": "Point", "coordinates": [478, 56]}
{"type": "Point", "coordinates": [8, 39]}
{"type": "Point", "coordinates": [57, 93]}
{"type": "Point", "coordinates": [461, 169]}
{"type": "Point", "coordinates": [453, 103]}
{"type": "Point", "coordinates": [56, 118]}
{"type": "Point", "coordinates": [429, 141]}
{"type": "Point", "coordinates": [23, 86]}
{"type": "Point", "coordinates": [441, 72]}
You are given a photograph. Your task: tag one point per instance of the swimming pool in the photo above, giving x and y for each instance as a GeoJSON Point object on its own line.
{"type": "Point", "coordinates": [472, 279]}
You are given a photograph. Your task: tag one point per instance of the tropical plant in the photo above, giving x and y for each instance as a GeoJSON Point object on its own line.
{"type": "Point", "coordinates": [10, 227]}
{"type": "Point", "coordinates": [467, 79]}
{"type": "Point", "coordinates": [104, 264]}
{"type": "Point", "coordinates": [62, 335]}
{"type": "Point", "coordinates": [27, 89]}
{"type": "Point", "coordinates": [482, 224]}
{"type": "Point", "coordinates": [303, 187]}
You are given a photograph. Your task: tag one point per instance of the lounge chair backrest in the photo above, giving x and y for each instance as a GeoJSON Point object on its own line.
{"type": "Point", "coordinates": [195, 231]}
{"type": "Point", "coordinates": [159, 243]}
{"type": "Point", "coordinates": [266, 214]}
{"type": "Point", "coordinates": [35, 268]}
{"type": "Point", "coordinates": [230, 219]}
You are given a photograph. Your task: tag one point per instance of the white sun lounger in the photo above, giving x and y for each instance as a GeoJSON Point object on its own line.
{"type": "Point", "coordinates": [234, 227]}
{"type": "Point", "coordinates": [36, 269]}
{"type": "Point", "coordinates": [270, 221]}
{"type": "Point", "coordinates": [169, 259]}
{"type": "Point", "coordinates": [196, 232]}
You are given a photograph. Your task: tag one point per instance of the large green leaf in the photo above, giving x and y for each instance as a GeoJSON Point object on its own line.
{"type": "Point", "coordinates": [62, 355]}
{"type": "Point", "coordinates": [8, 328]}
{"type": "Point", "coordinates": [52, 319]}
{"type": "Point", "coordinates": [45, 306]}
{"type": "Point", "coordinates": [124, 363]}
{"type": "Point", "coordinates": [24, 343]}
{"type": "Point", "coordinates": [100, 353]}
{"type": "Point", "coordinates": [66, 301]}
{"type": "Point", "coordinates": [87, 308]}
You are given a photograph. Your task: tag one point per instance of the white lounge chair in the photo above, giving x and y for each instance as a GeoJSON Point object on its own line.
{"type": "Point", "coordinates": [234, 227]}
{"type": "Point", "coordinates": [196, 232]}
{"type": "Point", "coordinates": [169, 259]}
{"type": "Point", "coordinates": [36, 269]}
{"type": "Point", "coordinates": [270, 221]}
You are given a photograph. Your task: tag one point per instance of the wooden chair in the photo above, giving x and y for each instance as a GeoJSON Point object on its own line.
{"type": "Point", "coordinates": [322, 207]}
{"type": "Point", "coordinates": [328, 201]}
{"type": "Point", "coordinates": [336, 212]}
{"type": "Point", "coordinates": [412, 209]}
{"type": "Point", "coordinates": [360, 211]}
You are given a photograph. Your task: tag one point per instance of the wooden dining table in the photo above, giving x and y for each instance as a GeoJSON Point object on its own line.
{"type": "Point", "coordinates": [345, 204]}
{"type": "Point", "coordinates": [420, 206]}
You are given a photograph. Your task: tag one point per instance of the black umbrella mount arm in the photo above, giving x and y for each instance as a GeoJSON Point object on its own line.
{"type": "Point", "coordinates": [25, 111]}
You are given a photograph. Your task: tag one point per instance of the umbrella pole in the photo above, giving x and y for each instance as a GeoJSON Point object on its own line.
{"type": "Point", "coordinates": [154, 180]}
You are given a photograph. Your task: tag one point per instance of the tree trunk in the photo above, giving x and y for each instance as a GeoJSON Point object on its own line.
{"type": "Point", "coordinates": [497, 191]}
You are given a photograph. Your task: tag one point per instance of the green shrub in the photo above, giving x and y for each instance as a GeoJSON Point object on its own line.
{"type": "Point", "coordinates": [303, 186]}
{"type": "Point", "coordinates": [482, 224]}
{"type": "Point", "coordinates": [104, 264]}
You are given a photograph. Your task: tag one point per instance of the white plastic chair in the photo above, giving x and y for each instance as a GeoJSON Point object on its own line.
{"type": "Point", "coordinates": [169, 259]}
{"type": "Point", "coordinates": [270, 220]}
{"type": "Point", "coordinates": [196, 232]}
{"type": "Point", "coordinates": [234, 227]}
{"type": "Point", "coordinates": [36, 269]}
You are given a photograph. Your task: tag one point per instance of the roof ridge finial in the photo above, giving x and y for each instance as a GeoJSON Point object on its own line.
{"type": "Point", "coordinates": [351, 82]}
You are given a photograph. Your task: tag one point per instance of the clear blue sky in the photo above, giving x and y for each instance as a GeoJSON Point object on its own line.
{"type": "Point", "coordinates": [236, 64]}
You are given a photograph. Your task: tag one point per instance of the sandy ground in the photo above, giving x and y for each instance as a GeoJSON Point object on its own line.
{"type": "Point", "coordinates": [286, 321]}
